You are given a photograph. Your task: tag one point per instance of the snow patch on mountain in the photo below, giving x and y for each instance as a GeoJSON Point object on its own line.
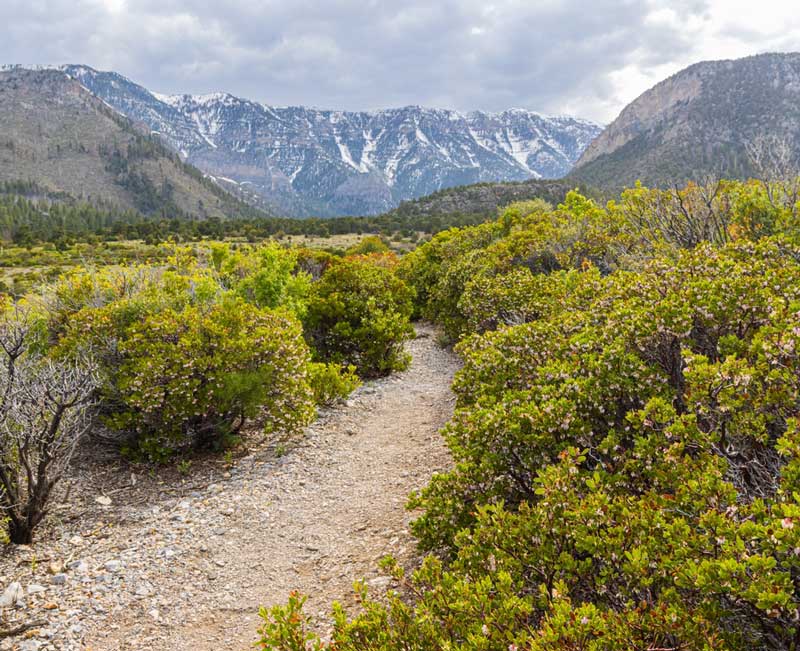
{"type": "Point", "coordinates": [310, 161]}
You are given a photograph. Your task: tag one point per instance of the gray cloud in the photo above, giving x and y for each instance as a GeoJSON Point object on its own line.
{"type": "Point", "coordinates": [550, 55]}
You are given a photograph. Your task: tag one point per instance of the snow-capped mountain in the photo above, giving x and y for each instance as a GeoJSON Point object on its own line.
{"type": "Point", "coordinates": [307, 161]}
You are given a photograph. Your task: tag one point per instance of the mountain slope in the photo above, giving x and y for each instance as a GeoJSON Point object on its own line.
{"type": "Point", "coordinates": [308, 161]}
{"type": "Point", "coordinates": [482, 198]}
{"type": "Point", "coordinates": [697, 122]}
{"type": "Point", "coordinates": [57, 135]}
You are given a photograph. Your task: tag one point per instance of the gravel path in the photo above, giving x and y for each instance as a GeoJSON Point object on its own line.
{"type": "Point", "coordinates": [167, 572]}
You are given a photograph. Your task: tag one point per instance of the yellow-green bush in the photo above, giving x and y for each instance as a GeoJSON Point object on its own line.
{"type": "Point", "coordinates": [358, 315]}
{"type": "Point", "coordinates": [332, 382]}
{"type": "Point", "coordinates": [368, 245]}
{"type": "Point", "coordinates": [195, 376]}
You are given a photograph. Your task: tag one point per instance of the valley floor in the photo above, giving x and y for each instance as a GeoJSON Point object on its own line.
{"type": "Point", "coordinates": [189, 569]}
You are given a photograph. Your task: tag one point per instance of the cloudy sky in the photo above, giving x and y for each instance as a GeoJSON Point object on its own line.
{"type": "Point", "coordinates": [555, 56]}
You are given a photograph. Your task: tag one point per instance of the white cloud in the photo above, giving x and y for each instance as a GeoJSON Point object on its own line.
{"type": "Point", "coordinates": [728, 29]}
{"type": "Point", "coordinates": [557, 56]}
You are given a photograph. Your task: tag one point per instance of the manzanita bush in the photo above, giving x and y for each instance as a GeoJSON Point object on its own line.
{"type": "Point", "coordinates": [626, 441]}
{"type": "Point", "coordinates": [193, 349]}
{"type": "Point", "coordinates": [359, 314]}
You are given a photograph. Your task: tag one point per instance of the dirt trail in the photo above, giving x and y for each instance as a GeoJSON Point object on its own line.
{"type": "Point", "coordinates": [190, 572]}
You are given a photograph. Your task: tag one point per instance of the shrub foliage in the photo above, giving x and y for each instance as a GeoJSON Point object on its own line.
{"type": "Point", "coordinates": [359, 315]}
{"type": "Point", "coordinates": [626, 441]}
{"type": "Point", "coordinates": [194, 348]}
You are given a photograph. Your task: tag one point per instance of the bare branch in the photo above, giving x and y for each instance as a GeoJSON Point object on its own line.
{"type": "Point", "coordinates": [43, 415]}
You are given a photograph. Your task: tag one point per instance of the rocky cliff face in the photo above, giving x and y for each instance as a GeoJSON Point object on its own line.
{"type": "Point", "coordinates": [697, 122]}
{"type": "Point", "coordinates": [307, 161]}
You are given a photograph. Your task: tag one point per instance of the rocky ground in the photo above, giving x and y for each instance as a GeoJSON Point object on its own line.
{"type": "Point", "coordinates": [146, 561]}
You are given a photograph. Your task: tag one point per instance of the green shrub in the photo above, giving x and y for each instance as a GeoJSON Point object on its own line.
{"type": "Point", "coordinates": [368, 245]}
{"type": "Point", "coordinates": [358, 315]}
{"type": "Point", "coordinates": [331, 382]}
{"type": "Point", "coordinates": [265, 276]}
{"type": "Point", "coordinates": [186, 361]}
{"type": "Point", "coordinates": [626, 440]}
{"type": "Point", "coordinates": [452, 271]}
{"type": "Point", "coordinates": [193, 376]}
{"type": "Point", "coordinates": [313, 262]}
{"type": "Point", "coordinates": [439, 269]}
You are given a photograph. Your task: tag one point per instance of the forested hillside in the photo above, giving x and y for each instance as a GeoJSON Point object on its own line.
{"type": "Point", "coordinates": [31, 214]}
{"type": "Point", "coordinates": [57, 137]}
{"type": "Point", "coordinates": [480, 199]}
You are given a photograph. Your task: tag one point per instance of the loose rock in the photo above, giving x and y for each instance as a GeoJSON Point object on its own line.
{"type": "Point", "coordinates": [13, 595]}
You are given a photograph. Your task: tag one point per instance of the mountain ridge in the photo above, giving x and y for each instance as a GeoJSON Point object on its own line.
{"type": "Point", "coordinates": [56, 134]}
{"type": "Point", "coordinates": [699, 122]}
{"type": "Point", "coordinates": [304, 161]}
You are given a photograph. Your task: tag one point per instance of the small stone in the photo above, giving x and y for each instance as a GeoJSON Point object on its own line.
{"type": "Point", "coordinates": [35, 588]}
{"type": "Point", "coordinates": [102, 500]}
{"type": "Point", "coordinates": [76, 540]}
{"type": "Point", "coordinates": [14, 595]}
{"type": "Point", "coordinates": [59, 579]}
{"type": "Point", "coordinates": [79, 567]}
{"type": "Point", "coordinates": [143, 590]}
{"type": "Point", "coordinates": [29, 645]}
{"type": "Point", "coordinates": [379, 582]}
{"type": "Point", "coordinates": [56, 567]}
{"type": "Point", "coordinates": [113, 566]}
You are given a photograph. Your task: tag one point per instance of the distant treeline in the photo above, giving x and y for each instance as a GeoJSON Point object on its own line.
{"type": "Point", "coordinates": [29, 216]}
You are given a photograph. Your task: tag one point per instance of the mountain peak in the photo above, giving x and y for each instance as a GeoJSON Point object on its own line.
{"type": "Point", "coordinates": [69, 142]}
{"type": "Point", "coordinates": [309, 161]}
{"type": "Point", "coordinates": [698, 122]}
